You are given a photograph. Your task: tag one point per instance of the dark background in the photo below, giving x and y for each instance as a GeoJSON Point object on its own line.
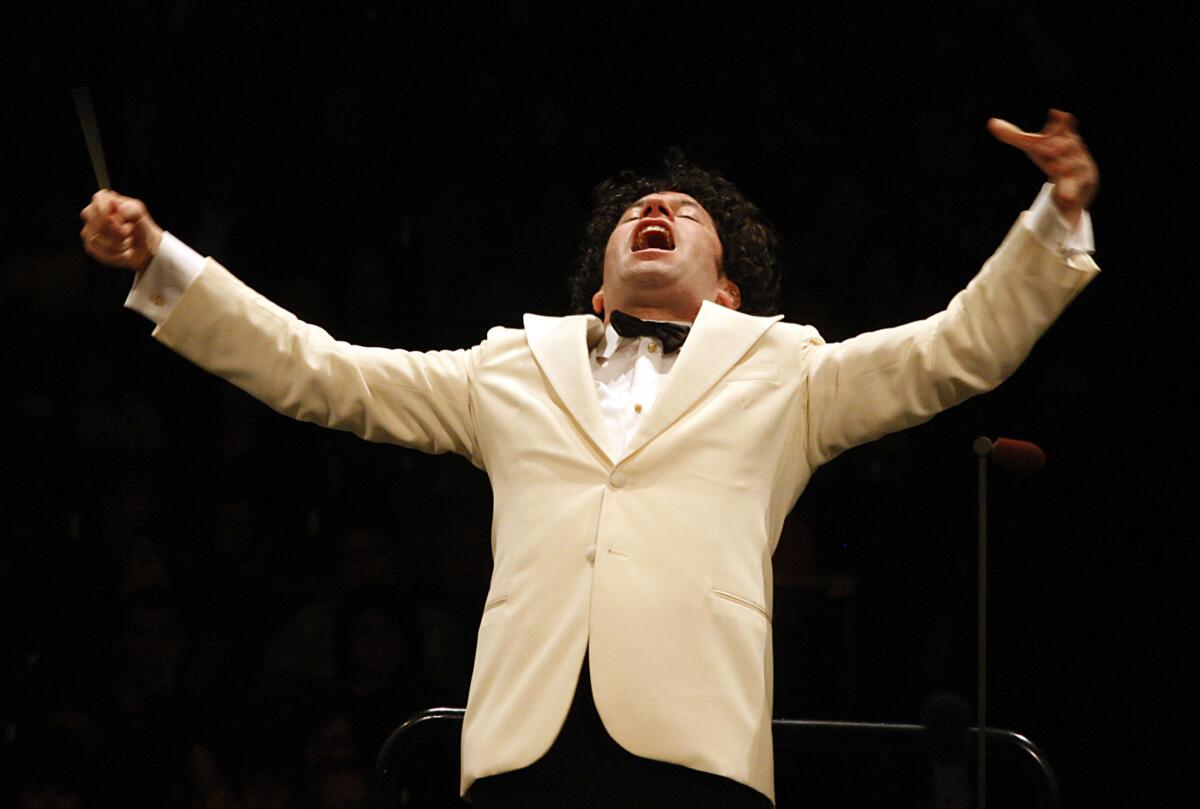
{"type": "Point", "coordinates": [412, 174]}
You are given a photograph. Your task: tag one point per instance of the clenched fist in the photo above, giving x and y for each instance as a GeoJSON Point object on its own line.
{"type": "Point", "coordinates": [119, 232]}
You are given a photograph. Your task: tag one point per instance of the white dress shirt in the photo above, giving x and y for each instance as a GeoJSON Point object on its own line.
{"type": "Point", "coordinates": [628, 372]}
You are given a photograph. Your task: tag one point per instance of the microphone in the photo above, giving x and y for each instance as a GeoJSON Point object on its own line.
{"type": "Point", "coordinates": [1022, 457]}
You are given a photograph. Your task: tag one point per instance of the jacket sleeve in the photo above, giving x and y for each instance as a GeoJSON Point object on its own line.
{"type": "Point", "coordinates": [883, 381]}
{"type": "Point", "coordinates": [420, 400]}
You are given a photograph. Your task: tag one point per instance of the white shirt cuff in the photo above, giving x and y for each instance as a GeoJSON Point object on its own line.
{"type": "Point", "coordinates": [1053, 230]}
{"type": "Point", "coordinates": [159, 287]}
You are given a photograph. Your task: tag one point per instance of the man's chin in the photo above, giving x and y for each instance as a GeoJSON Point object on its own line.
{"type": "Point", "coordinates": [650, 275]}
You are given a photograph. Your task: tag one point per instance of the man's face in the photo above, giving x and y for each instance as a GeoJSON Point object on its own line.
{"type": "Point", "coordinates": [665, 247]}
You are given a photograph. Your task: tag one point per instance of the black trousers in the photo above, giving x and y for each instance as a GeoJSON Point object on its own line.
{"type": "Point", "coordinates": [586, 769]}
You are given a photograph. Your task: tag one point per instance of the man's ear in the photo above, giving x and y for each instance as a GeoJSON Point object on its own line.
{"type": "Point", "coordinates": [598, 303]}
{"type": "Point", "coordinates": [728, 294]}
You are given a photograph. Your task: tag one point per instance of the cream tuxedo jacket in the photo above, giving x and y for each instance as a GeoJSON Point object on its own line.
{"type": "Point", "coordinates": [658, 559]}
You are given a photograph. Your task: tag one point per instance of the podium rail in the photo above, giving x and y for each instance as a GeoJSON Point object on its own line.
{"type": "Point", "coordinates": [818, 764]}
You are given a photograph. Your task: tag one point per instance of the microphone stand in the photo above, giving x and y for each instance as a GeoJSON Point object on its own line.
{"type": "Point", "coordinates": [1023, 458]}
{"type": "Point", "coordinates": [983, 448]}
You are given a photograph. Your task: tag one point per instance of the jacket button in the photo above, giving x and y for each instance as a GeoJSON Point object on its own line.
{"type": "Point", "coordinates": [617, 479]}
{"type": "Point", "coordinates": [590, 553]}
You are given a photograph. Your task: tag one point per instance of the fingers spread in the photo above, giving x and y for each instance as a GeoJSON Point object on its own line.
{"type": "Point", "coordinates": [1012, 134]}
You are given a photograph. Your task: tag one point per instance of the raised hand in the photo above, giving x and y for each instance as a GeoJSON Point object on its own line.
{"type": "Point", "coordinates": [118, 231]}
{"type": "Point", "coordinates": [1061, 153]}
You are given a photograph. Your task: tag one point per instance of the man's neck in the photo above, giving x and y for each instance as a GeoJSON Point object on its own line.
{"type": "Point", "coordinates": [660, 313]}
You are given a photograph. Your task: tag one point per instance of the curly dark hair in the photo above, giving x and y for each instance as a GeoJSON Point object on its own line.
{"type": "Point", "coordinates": [749, 244]}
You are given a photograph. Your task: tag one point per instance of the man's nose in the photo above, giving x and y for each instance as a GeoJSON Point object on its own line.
{"type": "Point", "coordinates": [657, 207]}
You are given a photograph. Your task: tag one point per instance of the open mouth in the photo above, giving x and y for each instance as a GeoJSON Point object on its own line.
{"type": "Point", "coordinates": [653, 236]}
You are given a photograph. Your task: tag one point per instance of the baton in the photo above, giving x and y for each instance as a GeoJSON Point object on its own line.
{"type": "Point", "coordinates": [91, 134]}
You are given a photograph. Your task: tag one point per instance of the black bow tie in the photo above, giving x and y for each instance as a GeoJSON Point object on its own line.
{"type": "Point", "coordinates": [671, 335]}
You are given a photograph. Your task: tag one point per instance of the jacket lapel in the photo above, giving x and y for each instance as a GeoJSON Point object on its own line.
{"type": "Point", "coordinates": [560, 345]}
{"type": "Point", "coordinates": [719, 338]}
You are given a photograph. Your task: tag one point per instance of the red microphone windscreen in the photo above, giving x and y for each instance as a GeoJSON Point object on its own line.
{"type": "Point", "coordinates": [1022, 457]}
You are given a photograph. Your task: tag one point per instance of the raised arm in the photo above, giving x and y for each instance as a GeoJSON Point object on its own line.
{"type": "Point", "coordinates": [417, 399]}
{"type": "Point", "coordinates": [883, 381]}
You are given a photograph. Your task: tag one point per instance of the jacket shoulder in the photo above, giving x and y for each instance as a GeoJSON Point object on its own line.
{"type": "Point", "coordinates": [504, 335]}
{"type": "Point", "coordinates": [799, 334]}
{"type": "Point", "coordinates": [536, 325]}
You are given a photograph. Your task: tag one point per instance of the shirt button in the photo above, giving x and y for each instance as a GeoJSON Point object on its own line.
{"type": "Point", "coordinates": [157, 300]}
{"type": "Point", "coordinates": [617, 479]}
{"type": "Point", "coordinates": [590, 554]}
{"type": "Point", "coordinates": [637, 408]}
{"type": "Point", "coordinates": [653, 347]}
